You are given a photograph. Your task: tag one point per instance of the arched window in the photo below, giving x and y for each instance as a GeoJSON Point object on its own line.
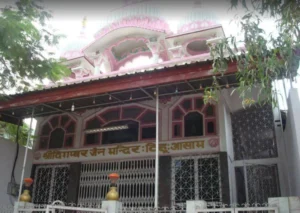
{"type": "Point", "coordinates": [141, 122]}
{"type": "Point", "coordinates": [129, 53]}
{"type": "Point", "coordinates": [192, 118]}
{"type": "Point", "coordinates": [193, 124]}
{"type": "Point", "coordinates": [57, 132]}
{"type": "Point", "coordinates": [93, 138]}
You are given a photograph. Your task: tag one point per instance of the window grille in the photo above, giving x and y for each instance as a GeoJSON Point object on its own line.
{"type": "Point", "coordinates": [253, 133]}
{"type": "Point", "coordinates": [51, 183]}
{"type": "Point", "coordinates": [196, 178]}
{"type": "Point", "coordinates": [262, 183]}
{"type": "Point", "coordinates": [135, 186]}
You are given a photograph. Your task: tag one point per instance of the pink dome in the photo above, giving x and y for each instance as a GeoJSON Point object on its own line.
{"type": "Point", "coordinates": [135, 13]}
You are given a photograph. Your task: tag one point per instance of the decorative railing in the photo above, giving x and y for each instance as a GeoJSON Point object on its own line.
{"type": "Point", "coordinates": [59, 206]}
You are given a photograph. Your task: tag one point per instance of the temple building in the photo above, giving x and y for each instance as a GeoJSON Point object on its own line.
{"type": "Point", "coordinates": [102, 118]}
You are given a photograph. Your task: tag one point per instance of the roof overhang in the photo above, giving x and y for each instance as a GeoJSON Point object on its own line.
{"type": "Point", "coordinates": [172, 81]}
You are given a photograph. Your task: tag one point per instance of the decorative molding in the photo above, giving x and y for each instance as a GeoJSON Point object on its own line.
{"type": "Point", "coordinates": [145, 22]}
{"type": "Point", "coordinates": [196, 25]}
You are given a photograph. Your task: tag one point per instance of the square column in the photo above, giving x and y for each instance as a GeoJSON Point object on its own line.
{"type": "Point", "coordinates": [23, 205]}
{"type": "Point", "coordinates": [285, 204]}
{"type": "Point", "coordinates": [112, 206]}
{"type": "Point", "coordinates": [193, 205]}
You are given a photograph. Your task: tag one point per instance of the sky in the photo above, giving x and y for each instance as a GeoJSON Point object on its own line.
{"type": "Point", "coordinates": [68, 15]}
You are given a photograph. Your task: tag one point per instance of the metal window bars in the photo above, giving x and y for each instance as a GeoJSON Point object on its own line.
{"type": "Point", "coordinates": [196, 178]}
{"type": "Point", "coordinates": [135, 186]}
{"type": "Point", "coordinates": [51, 183]}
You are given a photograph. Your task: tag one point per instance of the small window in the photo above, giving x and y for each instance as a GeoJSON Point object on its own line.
{"type": "Point", "coordinates": [177, 114]}
{"type": "Point", "coordinates": [93, 123]}
{"type": "Point", "coordinates": [111, 115]}
{"type": "Point", "coordinates": [149, 117]}
{"type": "Point", "coordinates": [64, 120]}
{"type": "Point", "coordinates": [187, 105]}
{"type": "Point", "coordinates": [91, 139]}
{"type": "Point", "coordinates": [71, 127]}
{"type": "Point", "coordinates": [148, 132]}
{"type": "Point", "coordinates": [131, 112]}
{"type": "Point", "coordinates": [199, 103]}
{"type": "Point", "coordinates": [54, 121]}
{"type": "Point", "coordinates": [193, 124]}
{"type": "Point", "coordinates": [69, 141]}
{"type": "Point", "coordinates": [210, 127]}
{"type": "Point", "coordinates": [177, 130]}
{"type": "Point", "coordinates": [121, 136]}
{"type": "Point", "coordinates": [46, 129]}
{"type": "Point", "coordinates": [57, 138]}
{"type": "Point", "coordinates": [210, 110]}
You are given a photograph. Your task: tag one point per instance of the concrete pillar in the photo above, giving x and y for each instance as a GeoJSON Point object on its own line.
{"type": "Point", "coordinates": [112, 206]}
{"type": "Point", "coordinates": [285, 204]}
{"type": "Point", "coordinates": [193, 205]}
{"type": "Point", "coordinates": [23, 205]}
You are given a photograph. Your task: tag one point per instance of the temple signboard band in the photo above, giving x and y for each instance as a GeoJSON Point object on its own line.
{"type": "Point", "coordinates": [132, 150]}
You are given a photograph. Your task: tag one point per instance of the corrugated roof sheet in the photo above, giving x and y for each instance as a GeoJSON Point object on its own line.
{"type": "Point", "coordinates": [157, 67]}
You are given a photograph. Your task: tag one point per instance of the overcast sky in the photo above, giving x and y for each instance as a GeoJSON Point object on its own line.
{"type": "Point", "coordinates": [68, 14]}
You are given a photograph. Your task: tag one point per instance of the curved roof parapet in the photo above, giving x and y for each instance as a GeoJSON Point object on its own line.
{"type": "Point", "coordinates": [139, 13]}
{"type": "Point", "coordinates": [145, 22]}
{"type": "Point", "coordinates": [197, 20]}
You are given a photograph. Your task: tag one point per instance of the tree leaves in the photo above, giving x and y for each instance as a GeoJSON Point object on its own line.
{"type": "Point", "coordinates": [24, 33]}
{"type": "Point", "coordinates": [265, 58]}
{"type": "Point", "coordinates": [10, 131]}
